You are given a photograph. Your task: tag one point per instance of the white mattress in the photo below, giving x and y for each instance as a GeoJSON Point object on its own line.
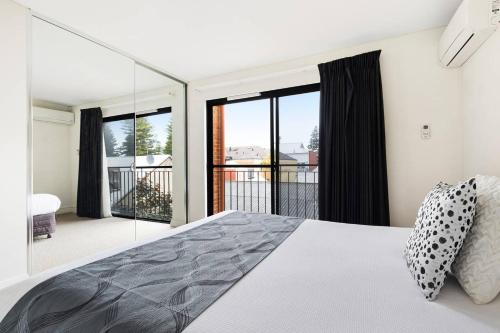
{"type": "Point", "coordinates": [327, 277]}
{"type": "Point", "coordinates": [44, 204]}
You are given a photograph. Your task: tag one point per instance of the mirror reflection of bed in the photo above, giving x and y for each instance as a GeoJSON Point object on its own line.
{"type": "Point", "coordinates": [72, 75]}
{"type": "Point", "coordinates": [44, 208]}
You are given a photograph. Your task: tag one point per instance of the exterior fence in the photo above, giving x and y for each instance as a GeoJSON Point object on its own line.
{"type": "Point", "coordinates": [295, 192]}
{"type": "Point", "coordinates": [145, 193]}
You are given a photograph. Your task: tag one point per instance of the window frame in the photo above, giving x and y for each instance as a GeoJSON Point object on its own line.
{"type": "Point", "coordinates": [135, 115]}
{"type": "Point", "coordinates": [273, 97]}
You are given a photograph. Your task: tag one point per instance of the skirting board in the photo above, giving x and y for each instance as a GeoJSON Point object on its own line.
{"type": "Point", "coordinates": [13, 280]}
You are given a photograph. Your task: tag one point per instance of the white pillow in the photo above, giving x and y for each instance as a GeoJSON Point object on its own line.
{"type": "Point", "coordinates": [477, 266]}
{"type": "Point", "coordinates": [443, 221]}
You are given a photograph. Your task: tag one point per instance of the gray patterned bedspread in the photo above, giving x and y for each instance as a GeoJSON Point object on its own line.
{"type": "Point", "coordinates": [158, 287]}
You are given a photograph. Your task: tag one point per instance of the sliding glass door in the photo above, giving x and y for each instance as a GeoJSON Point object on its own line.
{"type": "Point", "coordinates": [297, 161]}
{"type": "Point", "coordinates": [263, 153]}
{"type": "Point", "coordinates": [241, 155]}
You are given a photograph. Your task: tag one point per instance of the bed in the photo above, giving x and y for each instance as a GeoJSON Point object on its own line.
{"type": "Point", "coordinates": [44, 208]}
{"type": "Point", "coordinates": [324, 277]}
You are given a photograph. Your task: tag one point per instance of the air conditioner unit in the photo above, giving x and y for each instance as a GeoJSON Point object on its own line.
{"type": "Point", "coordinates": [473, 23]}
{"type": "Point", "coordinates": [53, 116]}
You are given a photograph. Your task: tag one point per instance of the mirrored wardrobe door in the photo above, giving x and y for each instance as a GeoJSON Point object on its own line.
{"type": "Point", "coordinates": [160, 154]}
{"type": "Point", "coordinates": [83, 147]}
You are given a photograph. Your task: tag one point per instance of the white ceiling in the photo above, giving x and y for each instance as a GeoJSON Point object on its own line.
{"type": "Point", "coordinates": [196, 39]}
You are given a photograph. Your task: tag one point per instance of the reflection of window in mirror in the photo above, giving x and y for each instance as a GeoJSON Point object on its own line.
{"type": "Point", "coordinates": [145, 143]}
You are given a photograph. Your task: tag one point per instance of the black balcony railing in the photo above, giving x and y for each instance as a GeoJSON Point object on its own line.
{"type": "Point", "coordinates": [294, 193]}
{"type": "Point", "coordinates": [145, 193]}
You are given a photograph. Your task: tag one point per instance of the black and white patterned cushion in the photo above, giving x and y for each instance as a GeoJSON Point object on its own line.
{"type": "Point", "coordinates": [443, 220]}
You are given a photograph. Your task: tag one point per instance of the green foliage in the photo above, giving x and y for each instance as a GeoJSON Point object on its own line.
{"type": "Point", "coordinates": [157, 149]}
{"type": "Point", "coordinates": [314, 140]}
{"type": "Point", "coordinates": [168, 144]}
{"type": "Point", "coordinates": [127, 146]}
{"type": "Point", "coordinates": [152, 202]}
{"type": "Point", "coordinates": [145, 138]}
{"type": "Point", "coordinates": [145, 141]}
{"type": "Point", "coordinates": [110, 142]}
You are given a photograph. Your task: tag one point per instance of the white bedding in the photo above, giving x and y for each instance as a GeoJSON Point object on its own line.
{"type": "Point", "coordinates": [326, 277]}
{"type": "Point", "coordinates": [44, 204]}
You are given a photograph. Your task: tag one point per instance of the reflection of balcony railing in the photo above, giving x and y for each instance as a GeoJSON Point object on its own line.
{"type": "Point", "coordinates": [250, 189]}
{"type": "Point", "coordinates": [145, 193]}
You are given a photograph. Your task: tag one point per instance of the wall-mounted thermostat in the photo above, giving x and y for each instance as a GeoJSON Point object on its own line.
{"type": "Point", "coordinates": [495, 12]}
{"type": "Point", "coordinates": [425, 131]}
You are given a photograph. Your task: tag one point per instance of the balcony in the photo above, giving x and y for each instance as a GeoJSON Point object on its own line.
{"type": "Point", "coordinates": [251, 189]}
{"type": "Point", "coordinates": [145, 193]}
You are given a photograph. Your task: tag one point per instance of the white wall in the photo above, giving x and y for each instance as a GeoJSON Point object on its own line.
{"type": "Point", "coordinates": [52, 163]}
{"type": "Point", "coordinates": [481, 106]}
{"type": "Point", "coordinates": [13, 138]}
{"type": "Point", "coordinates": [416, 91]}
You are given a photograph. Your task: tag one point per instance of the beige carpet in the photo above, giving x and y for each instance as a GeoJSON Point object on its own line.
{"type": "Point", "coordinates": [77, 237]}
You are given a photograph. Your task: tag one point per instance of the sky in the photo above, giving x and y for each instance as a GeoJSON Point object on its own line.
{"type": "Point", "coordinates": [159, 123]}
{"type": "Point", "coordinates": [247, 123]}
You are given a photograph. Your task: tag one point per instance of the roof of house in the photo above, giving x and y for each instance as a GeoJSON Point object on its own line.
{"type": "Point", "coordinates": [246, 153]}
{"type": "Point", "coordinates": [153, 160]}
{"type": "Point", "coordinates": [293, 148]}
{"type": "Point", "coordinates": [140, 161]}
{"type": "Point", "coordinates": [285, 157]}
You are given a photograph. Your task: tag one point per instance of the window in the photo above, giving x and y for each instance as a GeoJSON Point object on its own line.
{"type": "Point", "coordinates": [139, 160]}
{"type": "Point", "coordinates": [263, 153]}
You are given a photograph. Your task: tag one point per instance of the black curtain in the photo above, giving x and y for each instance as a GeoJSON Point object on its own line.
{"type": "Point", "coordinates": [90, 166]}
{"type": "Point", "coordinates": [352, 160]}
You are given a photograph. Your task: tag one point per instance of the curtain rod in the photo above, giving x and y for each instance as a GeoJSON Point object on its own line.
{"type": "Point", "coordinates": [257, 77]}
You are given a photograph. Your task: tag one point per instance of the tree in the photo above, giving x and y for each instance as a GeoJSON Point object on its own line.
{"type": "Point", "coordinates": [110, 142]}
{"type": "Point", "coordinates": [157, 148]}
{"type": "Point", "coordinates": [168, 144]}
{"type": "Point", "coordinates": [152, 201]}
{"type": "Point", "coordinates": [128, 144]}
{"type": "Point", "coordinates": [145, 138]}
{"type": "Point", "coordinates": [142, 138]}
{"type": "Point", "coordinates": [314, 140]}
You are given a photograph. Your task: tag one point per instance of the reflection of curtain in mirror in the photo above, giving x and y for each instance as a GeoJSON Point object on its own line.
{"type": "Point", "coordinates": [105, 197]}
{"type": "Point", "coordinates": [90, 164]}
